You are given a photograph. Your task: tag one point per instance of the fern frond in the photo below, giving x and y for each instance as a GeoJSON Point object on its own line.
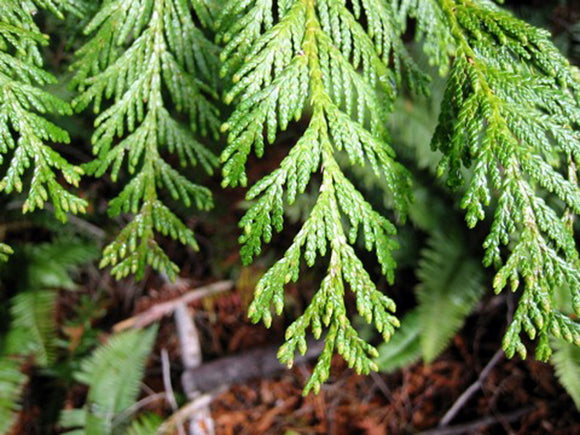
{"type": "Point", "coordinates": [146, 425]}
{"type": "Point", "coordinates": [33, 327]}
{"type": "Point", "coordinates": [510, 112]}
{"type": "Point", "coordinates": [566, 360]}
{"type": "Point", "coordinates": [113, 373]}
{"type": "Point", "coordinates": [25, 130]}
{"type": "Point", "coordinates": [317, 57]}
{"type": "Point", "coordinates": [51, 265]}
{"type": "Point", "coordinates": [404, 348]}
{"type": "Point", "coordinates": [451, 283]}
{"type": "Point", "coordinates": [143, 55]}
{"type": "Point", "coordinates": [12, 382]}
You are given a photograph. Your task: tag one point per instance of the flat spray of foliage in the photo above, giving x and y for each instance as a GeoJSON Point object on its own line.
{"type": "Point", "coordinates": [28, 161]}
{"type": "Point", "coordinates": [509, 119]}
{"type": "Point", "coordinates": [156, 67]}
{"type": "Point", "coordinates": [317, 61]}
{"type": "Point", "coordinates": [509, 112]}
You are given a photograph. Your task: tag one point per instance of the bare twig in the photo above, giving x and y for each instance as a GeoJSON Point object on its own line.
{"type": "Point", "coordinates": [200, 422]}
{"type": "Point", "coordinates": [187, 411]}
{"type": "Point", "coordinates": [473, 426]}
{"type": "Point", "coordinates": [256, 363]}
{"type": "Point", "coordinates": [473, 388]}
{"type": "Point", "coordinates": [138, 405]}
{"type": "Point", "coordinates": [382, 385]}
{"type": "Point", "coordinates": [166, 368]}
{"type": "Point", "coordinates": [165, 308]}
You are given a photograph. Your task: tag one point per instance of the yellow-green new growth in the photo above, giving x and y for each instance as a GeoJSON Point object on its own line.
{"type": "Point", "coordinates": [317, 58]}
{"type": "Point", "coordinates": [153, 63]}
{"type": "Point", "coordinates": [510, 113]}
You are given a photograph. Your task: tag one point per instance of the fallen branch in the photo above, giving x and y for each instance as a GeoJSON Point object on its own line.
{"type": "Point", "coordinates": [229, 370]}
{"type": "Point", "coordinates": [200, 422]}
{"type": "Point", "coordinates": [475, 425]}
{"type": "Point", "coordinates": [187, 411]}
{"type": "Point", "coordinates": [473, 388]}
{"type": "Point", "coordinates": [165, 308]}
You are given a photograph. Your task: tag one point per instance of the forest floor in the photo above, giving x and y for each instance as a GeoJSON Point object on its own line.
{"type": "Point", "coordinates": [514, 397]}
{"type": "Point", "coordinates": [471, 388]}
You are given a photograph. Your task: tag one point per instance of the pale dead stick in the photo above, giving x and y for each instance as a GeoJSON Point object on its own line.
{"type": "Point", "coordinates": [186, 411]}
{"type": "Point", "coordinates": [166, 370]}
{"type": "Point", "coordinates": [165, 308]}
{"type": "Point", "coordinates": [200, 422]}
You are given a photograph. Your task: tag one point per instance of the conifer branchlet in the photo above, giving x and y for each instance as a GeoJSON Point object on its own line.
{"type": "Point", "coordinates": [316, 59]}
{"type": "Point", "coordinates": [157, 67]}
{"type": "Point", "coordinates": [508, 133]}
{"type": "Point", "coordinates": [30, 163]}
{"type": "Point", "coordinates": [509, 114]}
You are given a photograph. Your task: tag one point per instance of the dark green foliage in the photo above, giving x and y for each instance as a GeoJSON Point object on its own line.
{"type": "Point", "coordinates": [113, 373]}
{"type": "Point", "coordinates": [12, 381]}
{"type": "Point", "coordinates": [157, 68]}
{"type": "Point", "coordinates": [34, 273]}
{"type": "Point", "coordinates": [42, 270]}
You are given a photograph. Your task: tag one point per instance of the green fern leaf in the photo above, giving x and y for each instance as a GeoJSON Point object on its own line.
{"type": "Point", "coordinates": [451, 283]}
{"type": "Point", "coordinates": [146, 425]}
{"type": "Point", "coordinates": [52, 265]}
{"type": "Point", "coordinates": [12, 382]}
{"type": "Point", "coordinates": [566, 360]}
{"type": "Point", "coordinates": [113, 373]}
{"type": "Point", "coordinates": [143, 55]}
{"type": "Point", "coordinates": [33, 328]}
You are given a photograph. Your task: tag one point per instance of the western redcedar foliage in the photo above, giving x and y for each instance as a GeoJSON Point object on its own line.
{"type": "Point", "coordinates": [510, 112]}
{"type": "Point", "coordinates": [138, 51]}
{"type": "Point", "coordinates": [508, 133]}
{"type": "Point", "coordinates": [25, 131]}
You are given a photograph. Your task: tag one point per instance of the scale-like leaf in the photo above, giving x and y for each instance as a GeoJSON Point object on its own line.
{"type": "Point", "coordinates": [152, 62]}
